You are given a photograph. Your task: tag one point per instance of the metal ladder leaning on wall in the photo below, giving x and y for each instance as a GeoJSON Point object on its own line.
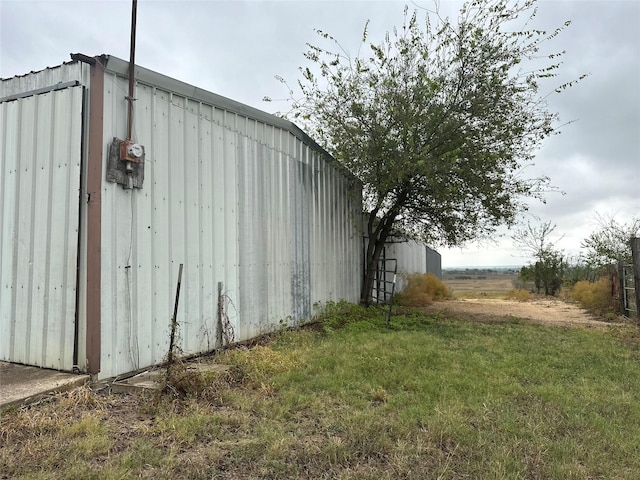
{"type": "Point", "coordinates": [384, 285]}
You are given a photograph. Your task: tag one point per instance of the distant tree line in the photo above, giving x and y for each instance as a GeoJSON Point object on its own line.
{"type": "Point", "coordinates": [551, 269]}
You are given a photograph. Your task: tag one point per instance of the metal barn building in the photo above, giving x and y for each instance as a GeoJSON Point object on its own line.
{"type": "Point", "coordinates": [89, 266]}
{"type": "Point", "coordinates": [414, 257]}
{"type": "Point", "coordinates": [401, 257]}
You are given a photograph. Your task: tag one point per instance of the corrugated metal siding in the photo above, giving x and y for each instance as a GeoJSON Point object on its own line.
{"type": "Point", "coordinates": [40, 148]}
{"type": "Point", "coordinates": [73, 71]}
{"type": "Point", "coordinates": [336, 235]}
{"type": "Point", "coordinates": [186, 213]}
{"type": "Point", "coordinates": [434, 263]}
{"type": "Point", "coordinates": [236, 200]}
{"type": "Point", "coordinates": [411, 257]}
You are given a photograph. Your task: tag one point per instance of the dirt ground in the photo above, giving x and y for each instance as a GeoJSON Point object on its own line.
{"type": "Point", "coordinates": [544, 310]}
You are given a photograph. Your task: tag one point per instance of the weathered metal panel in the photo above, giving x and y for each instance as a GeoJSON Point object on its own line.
{"type": "Point", "coordinates": [40, 148]}
{"type": "Point", "coordinates": [434, 263]}
{"type": "Point", "coordinates": [299, 246]}
{"type": "Point", "coordinates": [67, 72]}
{"type": "Point", "coordinates": [237, 195]}
{"type": "Point", "coordinates": [233, 198]}
{"type": "Point", "coordinates": [185, 213]}
{"type": "Point", "coordinates": [336, 234]}
{"type": "Point", "coordinates": [413, 257]}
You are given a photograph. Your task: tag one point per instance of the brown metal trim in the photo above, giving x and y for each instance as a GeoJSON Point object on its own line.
{"type": "Point", "coordinates": [80, 57]}
{"type": "Point", "coordinates": [94, 216]}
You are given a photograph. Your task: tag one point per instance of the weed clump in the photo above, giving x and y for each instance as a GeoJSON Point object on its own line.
{"type": "Point", "coordinates": [336, 315]}
{"type": "Point", "coordinates": [422, 289]}
{"type": "Point", "coordinates": [519, 295]}
{"type": "Point", "coordinates": [257, 365]}
{"type": "Point", "coordinates": [594, 296]}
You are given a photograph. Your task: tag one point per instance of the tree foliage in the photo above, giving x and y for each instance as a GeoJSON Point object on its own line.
{"type": "Point", "coordinates": [438, 120]}
{"type": "Point", "coordinates": [547, 271]}
{"type": "Point", "coordinates": [535, 241]}
{"type": "Point", "coordinates": [609, 243]}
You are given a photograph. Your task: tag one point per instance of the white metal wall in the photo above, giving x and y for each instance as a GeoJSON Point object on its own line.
{"type": "Point", "coordinates": [49, 77]}
{"type": "Point", "coordinates": [411, 257]}
{"type": "Point", "coordinates": [236, 200]}
{"type": "Point", "coordinates": [186, 213]}
{"type": "Point", "coordinates": [40, 152]}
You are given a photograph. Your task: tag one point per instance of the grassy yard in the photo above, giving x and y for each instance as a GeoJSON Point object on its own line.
{"type": "Point", "coordinates": [430, 397]}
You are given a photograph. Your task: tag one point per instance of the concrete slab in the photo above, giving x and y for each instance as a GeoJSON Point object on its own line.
{"type": "Point", "coordinates": [23, 384]}
{"type": "Point", "coordinates": [149, 380]}
{"type": "Point", "coordinates": [152, 379]}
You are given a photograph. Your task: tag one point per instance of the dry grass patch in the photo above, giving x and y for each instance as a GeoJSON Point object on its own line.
{"type": "Point", "coordinates": [427, 397]}
{"type": "Point", "coordinates": [421, 290]}
{"type": "Point", "coordinates": [594, 296]}
{"type": "Point", "coordinates": [519, 295]}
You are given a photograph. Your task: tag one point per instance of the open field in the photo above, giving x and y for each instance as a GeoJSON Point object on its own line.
{"type": "Point", "coordinates": [483, 284]}
{"type": "Point", "coordinates": [434, 396]}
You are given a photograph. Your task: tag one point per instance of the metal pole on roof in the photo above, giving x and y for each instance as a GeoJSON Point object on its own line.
{"type": "Point", "coordinates": [132, 61]}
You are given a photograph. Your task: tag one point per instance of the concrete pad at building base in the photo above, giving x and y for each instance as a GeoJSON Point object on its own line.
{"type": "Point", "coordinates": [153, 379]}
{"type": "Point", "coordinates": [22, 383]}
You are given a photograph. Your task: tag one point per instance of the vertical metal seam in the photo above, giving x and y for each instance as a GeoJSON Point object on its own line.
{"type": "Point", "coordinates": [200, 140]}
{"type": "Point", "coordinates": [16, 233]}
{"type": "Point", "coordinates": [67, 223]}
{"type": "Point", "coordinates": [28, 337]}
{"type": "Point", "coordinates": [170, 162]}
{"type": "Point", "coordinates": [76, 318]}
{"type": "Point", "coordinates": [151, 183]}
{"type": "Point", "coordinates": [3, 189]}
{"type": "Point", "coordinates": [237, 220]}
{"type": "Point", "coordinates": [185, 222]}
{"type": "Point", "coordinates": [47, 286]}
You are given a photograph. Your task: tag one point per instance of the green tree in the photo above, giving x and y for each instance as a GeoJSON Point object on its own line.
{"type": "Point", "coordinates": [437, 121]}
{"type": "Point", "coordinates": [548, 269]}
{"type": "Point", "coordinates": [609, 243]}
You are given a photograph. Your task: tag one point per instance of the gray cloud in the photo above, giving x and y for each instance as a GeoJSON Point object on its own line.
{"type": "Point", "coordinates": [235, 48]}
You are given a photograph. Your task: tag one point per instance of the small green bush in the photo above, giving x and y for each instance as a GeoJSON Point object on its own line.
{"type": "Point", "coordinates": [422, 289]}
{"type": "Point", "coordinates": [336, 315]}
{"type": "Point", "coordinates": [594, 296]}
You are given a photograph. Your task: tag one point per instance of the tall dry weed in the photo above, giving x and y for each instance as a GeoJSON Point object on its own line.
{"type": "Point", "coordinates": [594, 296]}
{"type": "Point", "coordinates": [422, 289]}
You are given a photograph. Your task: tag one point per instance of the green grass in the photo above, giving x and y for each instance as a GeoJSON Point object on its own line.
{"type": "Point", "coordinates": [430, 397]}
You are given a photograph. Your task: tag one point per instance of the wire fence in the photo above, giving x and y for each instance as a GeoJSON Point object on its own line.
{"type": "Point", "coordinates": [628, 303]}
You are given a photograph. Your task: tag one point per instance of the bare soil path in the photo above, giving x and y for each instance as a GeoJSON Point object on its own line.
{"type": "Point", "coordinates": [544, 310]}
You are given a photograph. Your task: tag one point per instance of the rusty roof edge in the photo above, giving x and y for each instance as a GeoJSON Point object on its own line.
{"type": "Point", "coordinates": [121, 67]}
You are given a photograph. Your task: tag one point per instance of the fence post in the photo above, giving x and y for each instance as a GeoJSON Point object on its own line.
{"type": "Point", "coordinates": [621, 291]}
{"type": "Point", "coordinates": [635, 253]}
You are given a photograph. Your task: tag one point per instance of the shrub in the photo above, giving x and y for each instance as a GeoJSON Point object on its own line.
{"type": "Point", "coordinates": [519, 294]}
{"type": "Point", "coordinates": [422, 289]}
{"type": "Point", "coordinates": [594, 296]}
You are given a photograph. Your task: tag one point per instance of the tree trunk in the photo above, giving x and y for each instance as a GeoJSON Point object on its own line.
{"type": "Point", "coordinates": [372, 257]}
{"type": "Point", "coordinates": [377, 238]}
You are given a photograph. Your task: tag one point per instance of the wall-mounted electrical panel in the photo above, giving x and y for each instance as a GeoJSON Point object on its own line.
{"type": "Point", "coordinates": [126, 163]}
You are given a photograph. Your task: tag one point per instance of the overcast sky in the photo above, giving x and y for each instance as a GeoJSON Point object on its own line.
{"type": "Point", "coordinates": [236, 48]}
